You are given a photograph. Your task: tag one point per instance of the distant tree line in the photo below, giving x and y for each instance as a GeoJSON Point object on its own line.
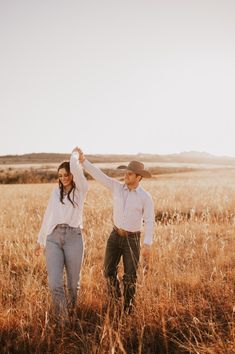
{"type": "Point", "coordinates": [32, 175]}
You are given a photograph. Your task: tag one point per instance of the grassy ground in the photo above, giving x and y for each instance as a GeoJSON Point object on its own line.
{"type": "Point", "coordinates": [185, 301]}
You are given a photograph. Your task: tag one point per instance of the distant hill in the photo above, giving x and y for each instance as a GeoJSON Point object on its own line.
{"type": "Point", "coordinates": [184, 157]}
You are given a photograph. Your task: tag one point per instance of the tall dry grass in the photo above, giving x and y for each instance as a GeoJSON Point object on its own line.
{"type": "Point", "coordinates": [185, 298]}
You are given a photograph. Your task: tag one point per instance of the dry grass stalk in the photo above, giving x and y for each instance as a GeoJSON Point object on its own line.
{"type": "Point", "coordinates": [185, 297]}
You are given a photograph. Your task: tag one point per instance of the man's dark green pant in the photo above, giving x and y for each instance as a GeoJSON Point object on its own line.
{"type": "Point", "coordinates": [127, 247]}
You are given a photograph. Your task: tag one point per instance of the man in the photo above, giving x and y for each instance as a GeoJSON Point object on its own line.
{"type": "Point", "coordinates": [131, 205]}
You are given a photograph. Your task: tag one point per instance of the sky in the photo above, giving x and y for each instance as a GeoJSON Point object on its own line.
{"type": "Point", "coordinates": [123, 76]}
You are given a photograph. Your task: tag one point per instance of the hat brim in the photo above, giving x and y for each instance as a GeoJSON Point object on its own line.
{"type": "Point", "coordinates": [142, 173]}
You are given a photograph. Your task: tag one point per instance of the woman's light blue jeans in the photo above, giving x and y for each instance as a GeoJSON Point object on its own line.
{"type": "Point", "coordinates": [64, 250]}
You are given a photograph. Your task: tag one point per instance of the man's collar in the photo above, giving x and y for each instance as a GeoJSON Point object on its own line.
{"type": "Point", "coordinates": [137, 189]}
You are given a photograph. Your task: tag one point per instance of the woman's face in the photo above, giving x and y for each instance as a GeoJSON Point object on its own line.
{"type": "Point", "coordinates": [65, 177]}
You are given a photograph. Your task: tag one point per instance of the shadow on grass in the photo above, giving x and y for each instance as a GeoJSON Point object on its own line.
{"type": "Point", "coordinates": [92, 331]}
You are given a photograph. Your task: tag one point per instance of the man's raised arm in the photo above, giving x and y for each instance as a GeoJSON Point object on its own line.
{"type": "Point", "coordinates": [96, 173]}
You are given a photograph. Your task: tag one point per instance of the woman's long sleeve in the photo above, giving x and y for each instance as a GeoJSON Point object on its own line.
{"type": "Point", "coordinates": [77, 172]}
{"type": "Point", "coordinates": [46, 222]}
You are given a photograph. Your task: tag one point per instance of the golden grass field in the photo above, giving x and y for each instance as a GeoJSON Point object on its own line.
{"type": "Point", "coordinates": [185, 300]}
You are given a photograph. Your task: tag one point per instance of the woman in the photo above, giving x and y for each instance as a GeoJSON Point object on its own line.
{"type": "Point", "coordinates": [61, 234]}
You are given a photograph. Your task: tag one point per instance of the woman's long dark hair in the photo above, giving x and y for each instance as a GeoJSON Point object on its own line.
{"type": "Point", "coordinates": [66, 166]}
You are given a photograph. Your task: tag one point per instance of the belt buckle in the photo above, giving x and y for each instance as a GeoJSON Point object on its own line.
{"type": "Point", "coordinates": [122, 232]}
{"type": "Point", "coordinates": [63, 225]}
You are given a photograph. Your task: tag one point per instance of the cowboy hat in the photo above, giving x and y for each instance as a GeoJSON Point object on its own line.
{"type": "Point", "coordinates": [138, 168]}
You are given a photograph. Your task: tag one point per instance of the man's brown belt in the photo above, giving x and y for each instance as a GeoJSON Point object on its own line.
{"type": "Point", "coordinates": [125, 233]}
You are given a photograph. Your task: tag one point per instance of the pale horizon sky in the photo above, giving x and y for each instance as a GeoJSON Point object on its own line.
{"type": "Point", "coordinates": [123, 76]}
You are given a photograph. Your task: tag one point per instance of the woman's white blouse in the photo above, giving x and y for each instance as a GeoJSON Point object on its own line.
{"type": "Point", "coordinates": [58, 213]}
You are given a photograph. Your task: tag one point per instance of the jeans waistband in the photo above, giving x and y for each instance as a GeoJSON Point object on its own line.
{"type": "Point", "coordinates": [66, 226]}
{"type": "Point", "coordinates": [125, 233]}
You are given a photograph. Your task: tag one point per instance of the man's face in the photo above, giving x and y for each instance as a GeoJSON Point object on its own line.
{"type": "Point", "coordinates": [131, 178]}
{"type": "Point", "coordinates": [65, 177]}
